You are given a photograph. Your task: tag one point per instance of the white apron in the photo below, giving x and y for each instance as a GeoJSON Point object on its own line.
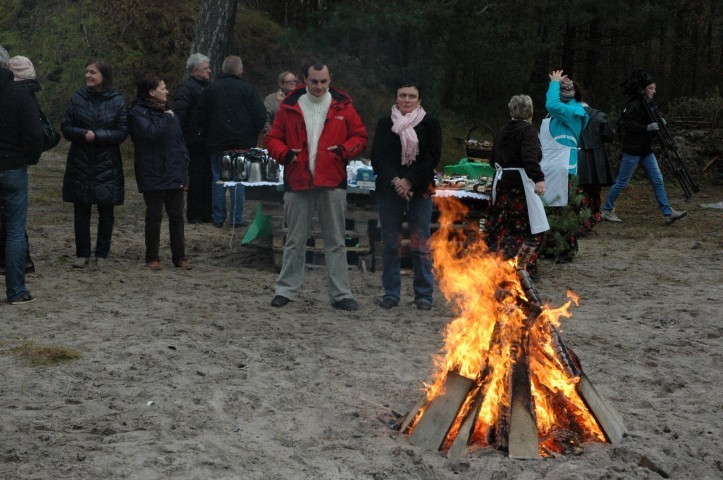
{"type": "Point", "coordinates": [555, 165]}
{"type": "Point", "coordinates": [535, 209]}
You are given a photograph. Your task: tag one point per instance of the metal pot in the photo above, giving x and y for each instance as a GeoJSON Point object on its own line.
{"type": "Point", "coordinates": [255, 168]}
{"type": "Point", "coordinates": [238, 168]}
{"type": "Point", "coordinates": [226, 162]}
{"type": "Point", "coordinates": [272, 170]}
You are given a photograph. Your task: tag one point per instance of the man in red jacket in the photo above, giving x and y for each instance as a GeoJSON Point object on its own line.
{"type": "Point", "coordinates": [314, 135]}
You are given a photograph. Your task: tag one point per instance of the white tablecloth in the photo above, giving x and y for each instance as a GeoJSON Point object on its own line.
{"type": "Point", "coordinates": [462, 194]}
{"type": "Point", "coordinates": [251, 184]}
{"type": "Point", "coordinates": [439, 192]}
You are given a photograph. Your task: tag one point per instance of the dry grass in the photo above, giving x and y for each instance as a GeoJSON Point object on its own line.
{"type": "Point", "coordinates": [37, 354]}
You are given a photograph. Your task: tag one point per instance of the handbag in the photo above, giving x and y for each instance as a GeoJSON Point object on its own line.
{"type": "Point", "coordinates": [51, 137]}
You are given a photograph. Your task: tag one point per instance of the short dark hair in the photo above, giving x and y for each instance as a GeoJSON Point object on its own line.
{"type": "Point", "coordinates": [105, 69]}
{"type": "Point", "coordinates": [146, 84]}
{"type": "Point", "coordinates": [312, 62]}
{"type": "Point", "coordinates": [408, 82]}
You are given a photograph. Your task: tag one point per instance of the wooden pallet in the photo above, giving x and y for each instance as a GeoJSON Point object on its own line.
{"type": "Point", "coordinates": [360, 226]}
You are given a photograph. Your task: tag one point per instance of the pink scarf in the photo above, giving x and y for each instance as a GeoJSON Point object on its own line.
{"type": "Point", "coordinates": [403, 125]}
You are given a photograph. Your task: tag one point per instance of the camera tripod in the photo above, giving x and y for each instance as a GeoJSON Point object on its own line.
{"type": "Point", "coordinates": [670, 151]}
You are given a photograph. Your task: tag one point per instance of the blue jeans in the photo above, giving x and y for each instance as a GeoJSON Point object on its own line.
{"type": "Point", "coordinates": [627, 169]}
{"type": "Point", "coordinates": [81, 224]}
{"type": "Point", "coordinates": [392, 210]}
{"type": "Point", "coordinates": [218, 196]}
{"type": "Point", "coordinates": [14, 197]}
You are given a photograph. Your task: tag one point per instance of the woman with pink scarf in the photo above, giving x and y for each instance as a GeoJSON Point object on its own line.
{"type": "Point", "coordinates": [407, 147]}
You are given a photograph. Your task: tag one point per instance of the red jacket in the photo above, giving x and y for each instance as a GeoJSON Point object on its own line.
{"type": "Point", "coordinates": [342, 127]}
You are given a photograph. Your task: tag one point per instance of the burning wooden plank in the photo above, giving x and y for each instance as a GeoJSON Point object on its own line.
{"type": "Point", "coordinates": [608, 418]}
{"type": "Point", "coordinates": [432, 428]}
{"type": "Point", "coordinates": [459, 445]}
{"type": "Point", "coordinates": [522, 439]}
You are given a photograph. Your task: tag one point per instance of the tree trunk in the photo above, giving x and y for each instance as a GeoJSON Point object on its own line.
{"type": "Point", "coordinates": [592, 53]}
{"type": "Point", "coordinates": [215, 23]}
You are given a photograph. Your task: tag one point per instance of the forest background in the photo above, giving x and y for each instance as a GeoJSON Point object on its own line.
{"type": "Point", "coordinates": [471, 56]}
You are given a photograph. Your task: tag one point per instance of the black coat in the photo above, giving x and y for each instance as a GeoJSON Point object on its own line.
{"type": "Point", "coordinates": [230, 114]}
{"type": "Point", "coordinates": [593, 166]}
{"type": "Point", "coordinates": [185, 102]}
{"type": "Point", "coordinates": [161, 158]}
{"type": "Point", "coordinates": [21, 136]}
{"type": "Point", "coordinates": [386, 156]}
{"type": "Point", "coordinates": [636, 138]}
{"type": "Point", "coordinates": [517, 145]}
{"type": "Point", "coordinates": [94, 171]}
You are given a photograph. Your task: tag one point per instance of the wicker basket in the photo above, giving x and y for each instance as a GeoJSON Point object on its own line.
{"type": "Point", "coordinates": [479, 150]}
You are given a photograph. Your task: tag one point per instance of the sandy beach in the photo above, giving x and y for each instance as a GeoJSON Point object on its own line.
{"type": "Point", "coordinates": [192, 375]}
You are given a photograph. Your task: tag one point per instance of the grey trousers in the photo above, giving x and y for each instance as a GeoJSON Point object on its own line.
{"type": "Point", "coordinates": [298, 212]}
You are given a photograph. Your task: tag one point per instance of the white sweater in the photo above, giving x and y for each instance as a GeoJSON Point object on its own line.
{"type": "Point", "coordinates": [314, 110]}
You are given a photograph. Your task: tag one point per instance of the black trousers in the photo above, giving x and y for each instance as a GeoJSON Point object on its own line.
{"type": "Point", "coordinates": [172, 200]}
{"type": "Point", "coordinates": [199, 188]}
{"type": "Point", "coordinates": [81, 225]}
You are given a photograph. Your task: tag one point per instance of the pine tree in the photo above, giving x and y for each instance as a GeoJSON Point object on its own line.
{"type": "Point", "coordinates": [566, 223]}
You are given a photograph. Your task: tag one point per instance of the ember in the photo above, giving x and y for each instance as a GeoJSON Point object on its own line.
{"type": "Point", "coordinates": [505, 377]}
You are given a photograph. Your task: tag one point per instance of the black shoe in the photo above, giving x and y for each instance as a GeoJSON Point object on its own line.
{"type": "Point", "coordinates": [29, 266]}
{"type": "Point", "coordinates": [24, 298]}
{"type": "Point", "coordinates": [348, 304]}
{"type": "Point", "coordinates": [423, 304]}
{"type": "Point", "coordinates": [388, 302]}
{"type": "Point", "coordinates": [279, 301]}
{"type": "Point", "coordinates": [238, 225]}
{"type": "Point", "coordinates": [194, 221]}
{"type": "Point", "coordinates": [218, 225]}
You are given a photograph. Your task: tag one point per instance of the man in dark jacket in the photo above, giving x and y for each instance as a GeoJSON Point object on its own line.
{"type": "Point", "coordinates": [21, 140]}
{"type": "Point", "coordinates": [231, 115]}
{"type": "Point", "coordinates": [185, 100]}
{"type": "Point", "coordinates": [315, 134]}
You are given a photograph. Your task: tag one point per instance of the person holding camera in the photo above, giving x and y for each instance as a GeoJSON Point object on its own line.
{"type": "Point", "coordinates": [638, 134]}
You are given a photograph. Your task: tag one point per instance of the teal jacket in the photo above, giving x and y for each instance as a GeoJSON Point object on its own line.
{"type": "Point", "coordinates": [568, 120]}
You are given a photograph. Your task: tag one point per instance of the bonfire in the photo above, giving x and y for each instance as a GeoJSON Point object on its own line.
{"type": "Point", "coordinates": [504, 377]}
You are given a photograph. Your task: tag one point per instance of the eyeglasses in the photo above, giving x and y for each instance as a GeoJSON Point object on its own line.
{"type": "Point", "coordinates": [290, 81]}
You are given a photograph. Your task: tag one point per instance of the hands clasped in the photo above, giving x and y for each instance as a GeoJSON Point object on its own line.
{"type": "Point", "coordinates": [403, 187]}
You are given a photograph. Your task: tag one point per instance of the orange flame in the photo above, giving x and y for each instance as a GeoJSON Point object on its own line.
{"type": "Point", "coordinates": [481, 342]}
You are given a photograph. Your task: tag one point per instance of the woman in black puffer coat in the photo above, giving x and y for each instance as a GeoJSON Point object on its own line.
{"type": "Point", "coordinates": [96, 123]}
{"type": "Point", "coordinates": [161, 165]}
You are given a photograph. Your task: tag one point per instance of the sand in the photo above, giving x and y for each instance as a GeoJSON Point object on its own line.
{"type": "Point", "coordinates": [192, 375]}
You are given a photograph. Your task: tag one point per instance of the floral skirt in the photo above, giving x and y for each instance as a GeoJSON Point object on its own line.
{"type": "Point", "coordinates": [508, 224]}
{"type": "Point", "coordinates": [593, 199]}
